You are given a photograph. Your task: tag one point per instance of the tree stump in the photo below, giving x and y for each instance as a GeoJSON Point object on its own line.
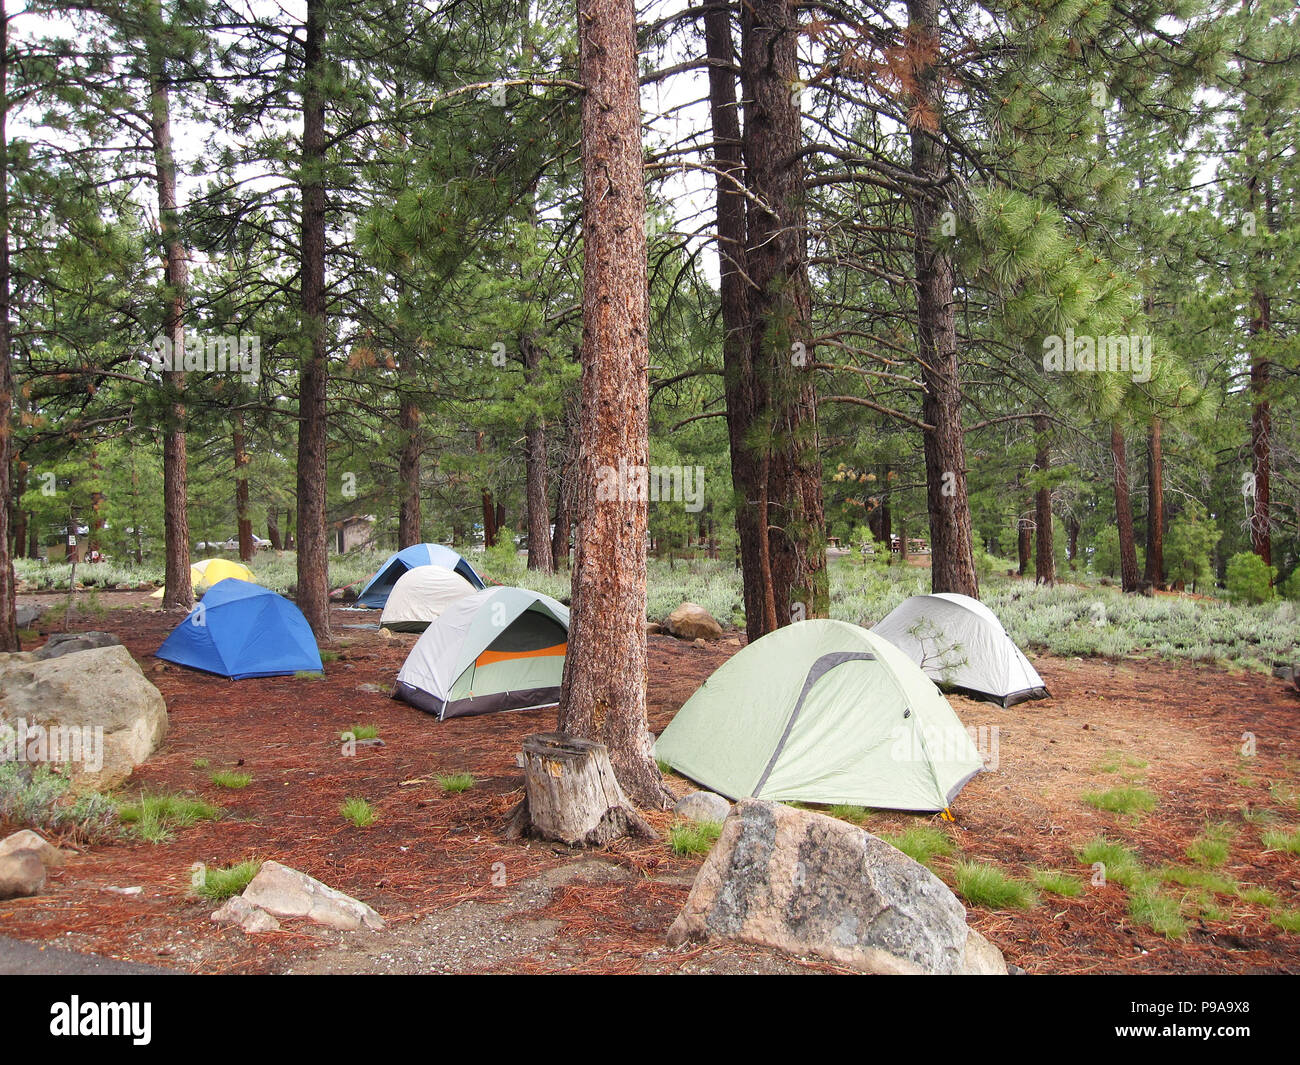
{"type": "Point", "coordinates": [571, 794]}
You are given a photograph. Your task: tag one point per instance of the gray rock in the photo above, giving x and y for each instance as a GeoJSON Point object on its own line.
{"type": "Point", "coordinates": [702, 806]}
{"type": "Point", "coordinates": [67, 643]}
{"type": "Point", "coordinates": [27, 840]}
{"type": "Point", "coordinates": [982, 957]}
{"type": "Point", "coordinates": [690, 621]}
{"type": "Point", "coordinates": [238, 910]}
{"type": "Point", "coordinates": [22, 874]}
{"type": "Point", "coordinates": [101, 690]}
{"type": "Point", "coordinates": [28, 616]}
{"type": "Point", "coordinates": [286, 892]}
{"type": "Point", "coordinates": [810, 884]}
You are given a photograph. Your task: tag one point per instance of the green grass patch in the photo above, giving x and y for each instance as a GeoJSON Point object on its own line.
{"type": "Point", "coordinates": [358, 811]}
{"type": "Point", "coordinates": [1152, 908]}
{"type": "Point", "coordinates": [693, 837]}
{"type": "Point", "coordinates": [664, 767]}
{"type": "Point", "coordinates": [1123, 800]}
{"type": "Point", "coordinates": [155, 818]}
{"type": "Point", "coordinates": [1258, 896]}
{"type": "Point", "coordinates": [329, 656]}
{"type": "Point", "coordinates": [1055, 882]}
{"type": "Point", "coordinates": [847, 812]}
{"type": "Point", "coordinates": [1206, 879]}
{"type": "Point", "coordinates": [1120, 864]}
{"type": "Point", "coordinates": [1287, 920]}
{"type": "Point", "coordinates": [982, 884]}
{"type": "Point", "coordinates": [455, 783]}
{"type": "Point", "coordinates": [1280, 839]}
{"type": "Point", "coordinates": [1211, 847]}
{"type": "Point", "coordinates": [1258, 815]}
{"type": "Point", "coordinates": [229, 778]}
{"type": "Point", "coordinates": [200, 763]}
{"type": "Point", "coordinates": [217, 885]}
{"type": "Point", "coordinates": [308, 674]}
{"type": "Point", "coordinates": [361, 732]}
{"type": "Point", "coordinates": [921, 843]}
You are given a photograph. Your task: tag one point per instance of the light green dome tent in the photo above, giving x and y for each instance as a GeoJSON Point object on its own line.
{"type": "Point", "coordinates": [825, 712]}
{"type": "Point", "coordinates": [499, 649]}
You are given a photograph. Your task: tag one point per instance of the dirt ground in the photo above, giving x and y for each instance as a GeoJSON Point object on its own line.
{"type": "Point", "coordinates": [459, 898]}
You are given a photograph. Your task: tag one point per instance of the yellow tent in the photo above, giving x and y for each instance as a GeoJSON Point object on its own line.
{"type": "Point", "coordinates": [203, 575]}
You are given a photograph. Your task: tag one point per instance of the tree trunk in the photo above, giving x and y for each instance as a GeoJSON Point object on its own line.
{"type": "Point", "coordinates": [603, 695]}
{"type": "Point", "coordinates": [176, 521]}
{"type": "Point", "coordinates": [952, 555]}
{"type": "Point", "coordinates": [1261, 445]}
{"type": "Point", "coordinates": [535, 459]}
{"type": "Point", "coordinates": [242, 515]}
{"type": "Point", "coordinates": [748, 471]}
{"type": "Point", "coordinates": [273, 528]}
{"type": "Point", "coordinates": [489, 518]}
{"type": "Point", "coordinates": [792, 526]}
{"type": "Point", "coordinates": [8, 620]}
{"type": "Point", "coordinates": [1123, 511]}
{"type": "Point", "coordinates": [409, 518]}
{"type": "Point", "coordinates": [312, 534]}
{"type": "Point", "coordinates": [1072, 541]}
{"type": "Point", "coordinates": [1155, 568]}
{"type": "Point", "coordinates": [1044, 548]}
{"type": "Point", "coordinates": [1024, 530]}
{"type": "Point", "coordinates": [18, 516]}
{"type": "Point", "coordinates": [572, 794]}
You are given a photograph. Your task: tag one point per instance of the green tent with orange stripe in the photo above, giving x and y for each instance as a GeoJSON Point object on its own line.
{"type": "Point", "coordinates": [498, 649]}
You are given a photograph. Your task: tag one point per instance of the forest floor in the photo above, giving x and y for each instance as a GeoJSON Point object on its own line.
{"type": "Point", "coordinates": [459, 898]}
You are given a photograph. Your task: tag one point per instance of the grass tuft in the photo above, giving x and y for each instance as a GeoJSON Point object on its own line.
{"type": "Point", "coordinates": [1279, 839]}
{"type": "Point", "coordinates": [1258, 896]}
{"type": "Point", "coordinates": [982, 884]}
{"type": "Point", "coordinates": [361, 732]}
{"type": "Point", "coordinates": [358, 811]}
{"type": "Point", "coordinates": [847, 812]}
{"type": "Point", "coordinates": [1211, 847]}
{"type": "Point", "coordinates": [455, 783]}
{"type": "Point", "coordinates": [921, 843]}
{"type": "Point", "coordinates": [1153, 909]}
{"type": "Point", "coordinates": [1054, 882]}
{"type": "Point", "coordinates": [1120, 865]}
{"type": "Point", "coordinates": [693, 837]}
{"type": "Point", "coordinates": [220, 884]}
{"type": "Point", "coordinates": [229, 778]}
{"type": "Point", "coordinates": [1123, 800]}
{"type": "Point", "coordinates": [1287, 920]}
{"type": "Point", "coordinates": [155, 818]}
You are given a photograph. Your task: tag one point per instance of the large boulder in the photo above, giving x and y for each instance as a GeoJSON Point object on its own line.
{"type": "Point", "coordinates": [22, 874]}
{"type": "Point", "coordinates": [690, 621]}
{"type": "Point", "coordinates": [93, 711]}
{"type": "Point", "coordinates": [810, 884]}
{"type": "Point", "coordinates": [285, 892]}
{"type": "Point", "coordinates": [27, 616]}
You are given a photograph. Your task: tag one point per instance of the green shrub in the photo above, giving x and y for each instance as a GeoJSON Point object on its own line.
{"type": "Point", "coordinates": [1189, 543]}
{"type": "Point", "coordinates": [1290, 588]}
{"type": "Point", "coordinates": [1105, 552]}
{"type": "Point", "coordinates": [37, 797]}
{"type": "Point", "coordinates": [1249, 579]}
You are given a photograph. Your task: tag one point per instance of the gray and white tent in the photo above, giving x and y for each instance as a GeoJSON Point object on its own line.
{"type": "Point", "coordinates": [961, 645]}
{"type": "Point", "coordinates": [498, 649]}
{"type": "Point", "coordinates": [420, 595]}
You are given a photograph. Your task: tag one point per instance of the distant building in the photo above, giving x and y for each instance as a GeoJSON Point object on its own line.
{"type": "Point", "coordinates": [354, 533]}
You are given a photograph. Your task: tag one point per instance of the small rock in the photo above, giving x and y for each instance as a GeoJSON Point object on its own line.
{"type": "Point", "coordinates": [27, 840]}
{"type": "Point", "coordinates": [22, 874]}
{"type": "Point", "coordinates": [653, 628]}
{"type": "Point", "coordinates": [128, 891]}
{"type": "Point", "coordinates": [690, 621]}
{"type": "Point", "coordinates": [286, 892]}
{"type": "Point", "coordinates": [702, 806]}
{"type": "Point", "coordinates": [700, 641]}
{"type": "Point", "coordinates": [731, 641]}
{"type": "Point", "coordinates": [377, 688]}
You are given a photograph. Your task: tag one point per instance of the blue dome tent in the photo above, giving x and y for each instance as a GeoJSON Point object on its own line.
{"type": "Point", "coordinates": [243, 630]}
{"type": "Point", "coordinates": [375, 593]}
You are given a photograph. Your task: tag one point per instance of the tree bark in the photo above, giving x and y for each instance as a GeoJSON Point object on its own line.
{"type": "Point", "coordinates": [273, 528]}
{"type": "Point", "coordinates": [952, 555]}
{"type": "Point", "coordinates": [603, 695]}
{"type": "Point", "coordinates": [783, 421]}
{"type": "Point", "coordinates": [409, 518]}
{"type": "Point", "coordinates": [1044, 547]}
{"type": "Point", "coordinates": [748, 470]}
{"type": "Point", "coordinates": [1024, 530]}
{"type": "Point", "coordinates": [311, 533]}
{"type": "Point", "coordinates": [176, 522]}
{"type": "Point", "coordinates": [242, 515]}
{"type": "Point", "coordinates": [535, 459]}
{"type": "Point", "coordinates": [1123, 511]}
{"type": "Point", "coordinates": [489, 518]}
{"type": "Point", "coordinates": [1155, 567]}
{"type": "Point", "coordinates": [8, 620]}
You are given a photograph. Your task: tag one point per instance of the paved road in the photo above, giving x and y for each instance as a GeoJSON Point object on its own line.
{"type": "Point", "coordinates": [32, 959]}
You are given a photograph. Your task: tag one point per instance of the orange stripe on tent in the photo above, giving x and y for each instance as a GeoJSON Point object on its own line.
{"type": "Point", "coordinates": [489, 657]}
